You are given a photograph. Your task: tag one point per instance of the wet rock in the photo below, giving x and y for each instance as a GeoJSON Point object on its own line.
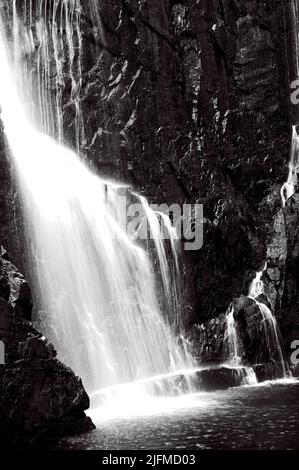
{"type": "Point", "coordinates": [207, 379]}
{"type": "Point", "coordinates": [283, 260]}
{"type": "Point", "coordinates": [209, 341]}
{"type": "Point", "coordinates": [267, 371]}
{"type": "Point", "coordinates": [39, 396]}
{"type": "Point", "coordinates": [220, 378]}
{"type": "Point", "coordinates": [295, 370]}
{"type": "Point", "coordinates": [187, 101]}
{"type": "Point", "coordinates": [253, 344]}
{"type": "Point", "coordinates": [16, 289]}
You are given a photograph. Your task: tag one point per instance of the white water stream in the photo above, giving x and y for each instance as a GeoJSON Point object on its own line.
{"type": "Point", "coordinates": [98, 288]}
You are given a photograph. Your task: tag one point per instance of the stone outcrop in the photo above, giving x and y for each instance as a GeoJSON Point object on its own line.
{"type": "Point", "coordinates": [188, 102]}
{"type": "Point", "coordinates": [257, 346]}
{"type": "Point", "coordinates": [207, 379]}
{"type": "Point", "coordinates": [39, 396]}
{"type": "Point", "coordinates": [282, 273]}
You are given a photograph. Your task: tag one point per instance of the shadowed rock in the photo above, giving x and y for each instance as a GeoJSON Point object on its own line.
{"type": "Point", "coordinates": [39, 396]}
{"type": "Point", "coordinates": [257, 344]}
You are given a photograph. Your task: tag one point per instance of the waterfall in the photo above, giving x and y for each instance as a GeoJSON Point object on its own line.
{"type": "Point", "coordinates": [270, 328]}
{"type": "Point", "coordinates": [51, 32]}
{"type": "Point", "coordinates": [99, 299]}
{"type": "Point", "coordinates": [269, 322]}
{"type": "Point", "coordinates": [231, 337]}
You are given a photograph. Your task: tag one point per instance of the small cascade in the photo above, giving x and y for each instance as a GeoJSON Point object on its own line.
{"type": "Point", "coordinates": [269, 322]}
{"type": "Point", "coordinates": [233, 358]}
{"type": "Point", "coordinates": [159, 228]}
{"type": "Point", "coordinates": [288, 188]}
{"type": "Point", "coordinates": [246, 375]}
{"type": "Point", "coordinates": [231, 338]}
{"type": "Point", "coordinates": [163, 385]}
{"type": "Point", "coordinates": [249, 376]}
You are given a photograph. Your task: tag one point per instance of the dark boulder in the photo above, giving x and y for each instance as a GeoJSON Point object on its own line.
{"type": "Point", "coordinates": [206, 379]}
{"type": "Point", "coordinates": [220, 378]}
{"type": "Point", "coordinates": [267, 371]}
{"type": "Point", "coordinates": [39, 396]}
{"type": "Point", "coordinates": [282, 274]}
{"type": "Point", "coordinates": [255, 338]}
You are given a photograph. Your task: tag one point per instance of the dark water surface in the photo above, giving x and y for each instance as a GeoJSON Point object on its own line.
{"type": "Point", "coordinates": [253, 417]}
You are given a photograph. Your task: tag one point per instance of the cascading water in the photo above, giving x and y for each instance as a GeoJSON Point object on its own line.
{"type": "Point", "coordinates": [231, 337]}
{"type": "Point", "coordinates": [269, 322]}
{"type": "Point", "coordinates": [51, 32]}
{"type": "Point", "coordinates": [98, 291]}
{"type": "Point", "coordinates": [232, 346]}
{"type": "Point", "coordinates": [169, 276]}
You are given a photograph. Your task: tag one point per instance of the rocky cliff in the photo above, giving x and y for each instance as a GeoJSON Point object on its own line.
{"type": "Point", "coordinates": [188, 101]}
{"type": "Point", "coordinates": [39, 396]}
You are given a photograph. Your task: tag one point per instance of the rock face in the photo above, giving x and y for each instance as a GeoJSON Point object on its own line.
{"type": "Point", "coordinates": [39, 396]}
{"type": "Point", "coordinates": [282, 273]}
{"type": "Point", "coordinates": [257, 340]}
{"type": "Point", "coordinates": [187, 101]}
{"type": "Point", "coordinates": [213, 340]}
{"type": "Point", "coordinates": [193, 109]}
{"type": "Point", "coordinates": [11, 227]}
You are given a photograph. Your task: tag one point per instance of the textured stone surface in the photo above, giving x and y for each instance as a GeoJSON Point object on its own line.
{"type": "Point", "coordinates": [188, 102]}
{"type": "Point", "coordinates": [39, 396]}
{"type": "Point", "coordinates": [207, 379]}
{"type": "Point", "coordinates": [253, 348]}
{"type": "Point", "coordinates": [11, 228]}
{"type": "Point", "coordinates": [285, 285]}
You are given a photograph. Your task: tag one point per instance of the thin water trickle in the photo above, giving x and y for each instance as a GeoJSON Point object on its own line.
{"type": "Point", "coordinates": [233, 356]}
{"type": "Point", "coordinates": [231, 336]}
{"type": "Point", "coordinates": [270, 326]}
